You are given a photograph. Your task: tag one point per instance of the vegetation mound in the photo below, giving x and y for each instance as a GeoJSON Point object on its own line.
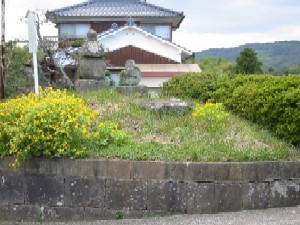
{"type": "Point", "coordinates": [271, 101]}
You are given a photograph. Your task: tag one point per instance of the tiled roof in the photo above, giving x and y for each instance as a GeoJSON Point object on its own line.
{"type": "Point", "coordinates": [115, 8]}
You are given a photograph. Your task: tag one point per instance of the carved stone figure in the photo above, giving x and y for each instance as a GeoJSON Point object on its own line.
{"type": "Point", "coordinates": [131, 76]}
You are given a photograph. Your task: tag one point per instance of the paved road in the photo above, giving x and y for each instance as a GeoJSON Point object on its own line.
{"type": "Point", "coordinates": [279, 216]}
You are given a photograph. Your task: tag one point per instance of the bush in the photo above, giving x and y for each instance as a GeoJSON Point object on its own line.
{"type": "Point", "coordinates": [211, 115]}
{"type": "Point", "coordinates": [193, 86]}
{"type": "Point", "coordinates": [52, 124]}
{"type": "Point", "coordinates": [271, 101]}
{"type": "Point", "coordinates": [77, 43]}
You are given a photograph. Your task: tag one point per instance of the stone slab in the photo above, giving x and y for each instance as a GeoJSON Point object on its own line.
{"type": "Point", "coordinates": [132, 90]}
{"type": "Point", "coordinates": [228, 171]}
{"type": "Point", "coordinates": [220, 171]}
{"type": "Point", "coordinates": [201, 198]}
{"type": "Point", "coordinates": [171, 106]}
{"type": "Point", "coordinates": [199, 172]}
{"type": "Point", "coordinates": [84, 192]}
{"type": "Point", "coordinates": [284, 194]}
{"type": "Point", "coordinates": [7, 170]}
{"type": "Point", "coordinates": [177, 171]}
{"type": "Point", "coordinates": [91, 65]}
{"type": "Point", "coordinates": [228, 196]}
{"type": "Point", "coordinates": [83, 168]}
{"type": "Point", "coordinates": [205, 172]}
{"type": "Point", "coordinates": [38, 166]}
{"type": "Point", "coordinates": [98, 214]}
{"type": "Point", "coordinates": [126, 194]}
{"type": "Point", "coordinates": [261, 171]}
{"type": "Point", "coordinates": [11, 190]}
{"type": "Point", "coordinates": [100, 166]}
{"type": "Point", "coordinates": [119, 169]}
{"type": "Point", "coordinates": [166, 196]}
{"type": "Point", "coordinates": [20, 213]}
{"type": "Point", "coordinates": [290, 170]}
{"type": "Point", "coordinates": [91, 85]}
{"type": "Point", "coordinates": [256, 195]}
{"type": "Point", "coordinates": [45, 191]}
{"type": "Point", "coordinates": [92, 214]}
{"type": "Point", "coordinates": [63, 214]}
{"type": "Point", "coordinates": [149, 170]}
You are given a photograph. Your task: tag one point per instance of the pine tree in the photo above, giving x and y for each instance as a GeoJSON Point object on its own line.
{"type": "Point", "coordinates": [247, 62]}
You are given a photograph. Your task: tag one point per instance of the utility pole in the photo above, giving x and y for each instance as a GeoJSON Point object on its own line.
{"type": "Point", "coordinates": [3, 50]}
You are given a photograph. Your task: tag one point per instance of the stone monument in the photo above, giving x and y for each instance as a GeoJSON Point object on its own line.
{"type": "Point", "coordinates": [131, 76]}
{"type": "Point", "coordinates": [169, 106]}
{"type": "Point", "coordinates": [90, 74]}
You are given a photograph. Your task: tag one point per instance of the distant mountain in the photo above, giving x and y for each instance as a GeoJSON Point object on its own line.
{"type": "Point", "coordinates": [276, 55]}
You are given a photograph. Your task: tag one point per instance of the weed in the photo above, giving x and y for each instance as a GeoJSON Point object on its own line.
{"type": "Point", "coordinates": [119, 215]}
{"type": "Point", "coordinates": [183, 138]}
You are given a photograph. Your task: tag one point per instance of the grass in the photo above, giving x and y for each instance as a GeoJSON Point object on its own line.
{"type": "Point", "coordinates": [182, 138]}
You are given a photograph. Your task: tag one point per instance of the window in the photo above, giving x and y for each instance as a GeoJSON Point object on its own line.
{"type": "Point", "coordinates": [163, 31]}
{"type": "Point", "coordinates": [74, 30]}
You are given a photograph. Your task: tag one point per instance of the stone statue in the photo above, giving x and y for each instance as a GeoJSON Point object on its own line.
{"type": "Point", "coordinates": [92, 63]}
{"type": "Point", "coordinates": [91, 70]}
{"type": "Point", "coordinates": [131, 76]}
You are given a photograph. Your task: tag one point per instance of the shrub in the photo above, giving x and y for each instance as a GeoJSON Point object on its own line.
{"type": "Point", "coordinates": [52, 124]}
{"type": "Point", "coordinates": [16, 79]}
{"type": "Point", "coordinates": [214, 65]}
{"type": "Point", "coordinates": [212, 115]}
{"type": "Point", "coordinates": [271, 101]}
{"type": "Point", "coordinates": [193, 86]}
{"type": "Point", "coordinates": [77, 43]}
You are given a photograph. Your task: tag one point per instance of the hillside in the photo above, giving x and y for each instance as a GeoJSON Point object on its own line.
{"type": "Point", "coordinates": [276, 55]}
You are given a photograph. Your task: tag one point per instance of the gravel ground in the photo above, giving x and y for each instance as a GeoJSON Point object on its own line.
{"type": "Point", "coordinates": [278, 216]}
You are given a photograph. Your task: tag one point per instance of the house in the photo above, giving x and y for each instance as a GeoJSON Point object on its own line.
{"type": "Point", "coordinates": [129, 29]}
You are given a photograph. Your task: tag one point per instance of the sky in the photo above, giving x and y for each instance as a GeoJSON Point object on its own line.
{"type": "Point", "coordinates": [207, 24]}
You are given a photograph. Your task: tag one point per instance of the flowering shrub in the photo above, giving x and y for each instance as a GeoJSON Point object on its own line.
{"type": "Point", "coordinates": [107, 132]}
{"type": "Point", "coordinates": [212, 115]}
{"type": "Point", "coordinates": [52, 124]}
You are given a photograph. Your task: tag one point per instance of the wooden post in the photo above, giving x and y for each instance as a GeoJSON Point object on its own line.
{"type": "Point", "coordinates": [3, 50]}
{"type": "Point", "coordinates": [33, 45]}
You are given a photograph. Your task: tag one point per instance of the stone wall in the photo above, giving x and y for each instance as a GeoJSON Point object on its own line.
{"type": "Point", "coordinates": [90, 189]}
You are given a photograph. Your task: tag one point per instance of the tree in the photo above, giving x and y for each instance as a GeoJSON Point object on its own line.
{"type": "Point", "coordinates": [247, 62]}
{"type": "Point", "coordinates": [214, 65]}
{"type": "Point", "coordinates": [291, 69]}
{"type": "Point", "coordinates": [16, 78]}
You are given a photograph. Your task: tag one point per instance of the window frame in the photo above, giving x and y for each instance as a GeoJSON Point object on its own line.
{"type": "Point", "coordinates": [73, 30]}
{"type": "Point", "coordinates": [154, 28]}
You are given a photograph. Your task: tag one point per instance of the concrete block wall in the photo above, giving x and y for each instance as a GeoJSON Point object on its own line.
{"type": "Point", "coordinates": [88, 189]}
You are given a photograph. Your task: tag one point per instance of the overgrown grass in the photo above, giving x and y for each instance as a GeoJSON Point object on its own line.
{"type": "Point", "coordinates": [182, 138]}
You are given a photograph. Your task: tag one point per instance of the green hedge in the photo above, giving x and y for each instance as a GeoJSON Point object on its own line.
{"type": "Point", "coordinates": [273, 102]}
{"type": "Point", "coordinates": [193, 86]}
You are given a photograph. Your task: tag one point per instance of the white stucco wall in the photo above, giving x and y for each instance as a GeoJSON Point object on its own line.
{"type": "Point", "coordinates": [153, 81]}
{"type": "Point", "coordinates": [134, 37]}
